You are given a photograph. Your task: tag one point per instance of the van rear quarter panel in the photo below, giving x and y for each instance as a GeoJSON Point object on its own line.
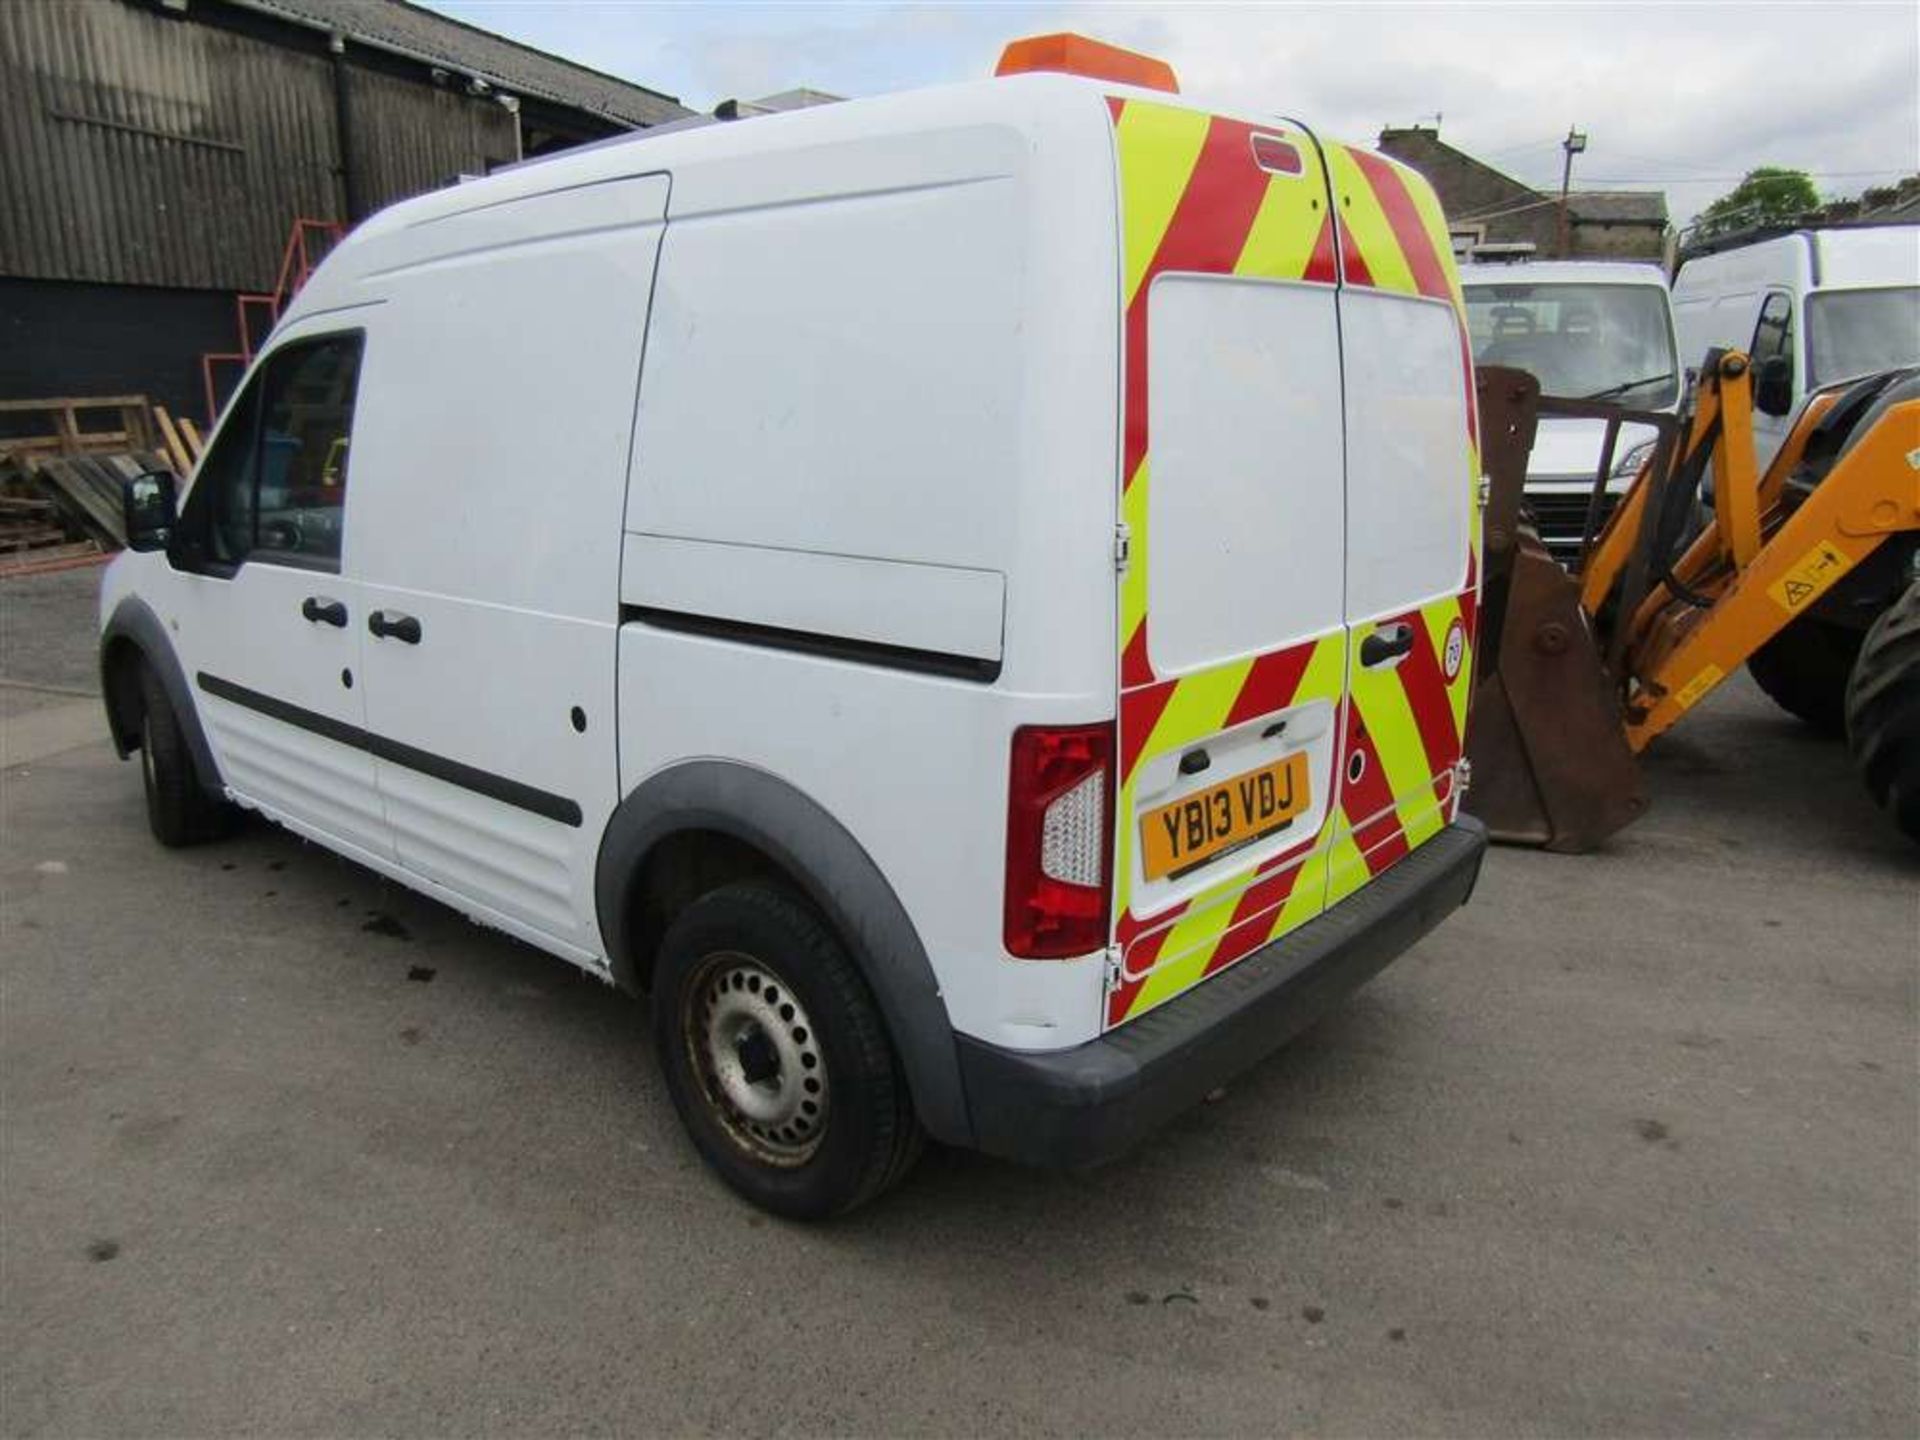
{"type": "Point", "coordinates": [879, 402]}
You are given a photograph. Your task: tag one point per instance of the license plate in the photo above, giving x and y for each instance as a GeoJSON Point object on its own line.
{"type": "Point", "coordinates": [1194, 829]}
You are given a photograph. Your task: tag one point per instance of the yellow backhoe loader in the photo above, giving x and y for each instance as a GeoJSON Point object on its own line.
{"type": "Point", "coordinates": [1808, 573]}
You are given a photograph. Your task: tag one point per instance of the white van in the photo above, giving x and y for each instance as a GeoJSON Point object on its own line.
{"type": "Point", "coordinates": [728, 560]}
{"type": "Point", "coordinates": [1587, 330]}
{"type": "Point", "coordinates": [1811, 308]}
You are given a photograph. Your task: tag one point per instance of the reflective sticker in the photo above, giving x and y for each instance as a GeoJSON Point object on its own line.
{"type": "Point", "coordinates": [1455, 653]}
{"type": "Point", "coordinates": [1810, 577]}
{"type": "Point", "coordinates": [1688, 695]}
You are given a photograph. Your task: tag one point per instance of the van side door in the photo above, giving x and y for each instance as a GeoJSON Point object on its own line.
{"type": "Point", "coordinates": [266, 618]}
{"type": "Point", "coordinates": [499, 412]}
{"type": "Point", "coordinates": [1412, 527]}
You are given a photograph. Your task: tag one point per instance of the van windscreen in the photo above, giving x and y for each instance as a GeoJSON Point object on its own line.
{"type": "Point", "coordinates": [1610, 342]}
{"type": "Point", "coordinates": [1860, 332]}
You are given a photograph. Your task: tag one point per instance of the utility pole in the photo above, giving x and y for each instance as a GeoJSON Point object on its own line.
{"type": "Point", "coordinates": [1575, 142]}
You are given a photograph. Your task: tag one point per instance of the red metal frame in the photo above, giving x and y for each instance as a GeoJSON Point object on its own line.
{"type": "Point", "coordinates": [308, 243]}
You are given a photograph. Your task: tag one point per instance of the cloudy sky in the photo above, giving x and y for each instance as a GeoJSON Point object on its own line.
{"type": "Point", "coordinates": [1681, 97]}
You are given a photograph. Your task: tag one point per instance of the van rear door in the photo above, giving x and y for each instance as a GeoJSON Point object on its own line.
{"type": "Point", "coordinates": [1254, 788]}
{"type": "Point", "coordinates": [1232, 643]}
{"type": "Point", "coordinates": [1412, 481]}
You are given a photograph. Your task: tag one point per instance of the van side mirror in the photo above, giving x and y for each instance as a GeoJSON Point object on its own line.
{"type": "Point", "coordinates": [1773, 385]}
{"type": "Point", "coordinates": [147, 503]}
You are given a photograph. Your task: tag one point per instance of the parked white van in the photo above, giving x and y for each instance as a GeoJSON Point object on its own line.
{"type": "Point", "coordinates": [728, 560]}
{"type": "Point", "coordinates": [1811, 308]}
{"type": "Point", "coordinates": [1587, 330]}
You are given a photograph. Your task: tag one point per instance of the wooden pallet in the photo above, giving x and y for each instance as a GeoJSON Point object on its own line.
{"type": "Point", "coordinates": [67, 426]}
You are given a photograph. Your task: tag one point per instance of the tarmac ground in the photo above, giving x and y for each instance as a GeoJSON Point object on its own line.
{"type": "Point", "coordinates": [1631, 1145]}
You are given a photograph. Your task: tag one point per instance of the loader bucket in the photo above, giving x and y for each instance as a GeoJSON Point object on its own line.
{"type": "Point", "coordinates": [1550, 761]}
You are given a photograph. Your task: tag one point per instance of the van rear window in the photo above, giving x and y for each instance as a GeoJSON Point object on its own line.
{"type": "Point", "coordinates": [1245, 505]}
{"type": "Point", "coordinates": [1408, 472]}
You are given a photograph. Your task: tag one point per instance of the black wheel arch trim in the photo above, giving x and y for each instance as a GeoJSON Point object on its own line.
{"type": "Point", "coordinates": [133, 622]}
{"type": "Point", "coordinates": [836, 874]}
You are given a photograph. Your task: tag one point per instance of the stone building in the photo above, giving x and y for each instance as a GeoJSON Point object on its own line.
{"type": "Point", "coordinates": [1486, 207]}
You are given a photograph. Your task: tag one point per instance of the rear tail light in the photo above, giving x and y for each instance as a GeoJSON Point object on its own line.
{"type": "Point", "coordinates": [1059, 839]}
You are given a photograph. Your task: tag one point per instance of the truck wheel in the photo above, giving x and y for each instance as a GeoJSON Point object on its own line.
{"type": "Point", "coordinates": [179, 810]}
{"type": "Point", "coordinates": [1883, 712]}
{"type": "Point", "coordinates": [776, 1056]}
{"type": "Point", "coordinates": [1804, 670]}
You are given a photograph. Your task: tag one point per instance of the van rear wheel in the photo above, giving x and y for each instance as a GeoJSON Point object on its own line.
{"type": "Point", "coordinates": [776, 1056]}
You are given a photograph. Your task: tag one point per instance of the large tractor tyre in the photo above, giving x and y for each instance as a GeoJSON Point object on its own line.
{"type": "Point", "coordinates": [179, 809]}
{"type": "Point", "coordinates": [1883, 712]}
{"type": "Point", "coordinates": [776, 1056]}
{"type": "Point", "coordinates": [1804, 670]}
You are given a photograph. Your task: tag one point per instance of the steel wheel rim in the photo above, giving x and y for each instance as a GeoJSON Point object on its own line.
{"type": "Point", "coordinates": [758, 1058]}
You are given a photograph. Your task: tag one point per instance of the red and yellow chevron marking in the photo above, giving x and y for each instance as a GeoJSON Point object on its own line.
{"type": "Point", "coordinates": [1408, 724]}
{"type": "Point", "coordinates": [1394, 237]}
{"type": "Point", "coordinates": [1194, 201]}
{"type": "Point", "coordinates": [1183, 944]}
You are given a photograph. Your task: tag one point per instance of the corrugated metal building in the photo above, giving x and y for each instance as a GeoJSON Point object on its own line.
{"type": "Point", "coordinates": [155, 153]}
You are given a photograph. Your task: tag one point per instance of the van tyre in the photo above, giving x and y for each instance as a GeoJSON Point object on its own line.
{"type": "Point", "coordinates": [1883, 712]}
{"type": "Point", "coordinates": [179, 809]}
{"type": "Point", "coordinates": [777, 1057]}
{"type": "Point", "coordinates": [1804, 671]}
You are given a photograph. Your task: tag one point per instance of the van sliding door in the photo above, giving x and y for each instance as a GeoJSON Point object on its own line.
{"type": "Point", "coordinates": [499, 414]}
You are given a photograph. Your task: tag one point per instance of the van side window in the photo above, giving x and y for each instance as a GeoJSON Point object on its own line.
{"type": "Point", "coordinates": [273, 487]}
{"type": "Point", "coordinates": [1773, 333]}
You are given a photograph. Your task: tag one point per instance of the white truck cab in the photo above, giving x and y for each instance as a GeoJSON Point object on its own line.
{"type": "Point", "coordinates": [1587, 330]}
{"type": "Point", "coordinates": [1811, 308]}
{"type": "Point", "coordinates": [965, 597]}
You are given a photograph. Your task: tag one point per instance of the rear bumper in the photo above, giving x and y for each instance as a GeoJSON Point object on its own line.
{"type": "Point", "coordinates": [1081, 1106]}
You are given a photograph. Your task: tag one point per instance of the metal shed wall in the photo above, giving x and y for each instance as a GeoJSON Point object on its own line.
{"type": "Point", "coordinates": [144, 149]}
{"type": "Point", "coordinates": [409, 137]}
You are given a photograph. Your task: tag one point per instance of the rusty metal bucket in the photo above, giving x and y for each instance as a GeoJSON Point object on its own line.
{"type": "Point", "coordinates": [1551, 763]}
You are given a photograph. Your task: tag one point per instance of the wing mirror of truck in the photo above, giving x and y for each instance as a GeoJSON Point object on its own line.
{"type": "Point", "coordinates": [1773, 385]}
{"type": "Point", "coordinates": [147, 502]}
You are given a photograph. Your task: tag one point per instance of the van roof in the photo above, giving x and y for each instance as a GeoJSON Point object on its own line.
{"type": "Point", "coordinates": [1842, 257]}
{"type": "Point", "coordinates": [1564, 272]}
{"type": "Point", "coordinates": [1029, 101]}
{"type": "Point", "coordinates": [1855, 258]}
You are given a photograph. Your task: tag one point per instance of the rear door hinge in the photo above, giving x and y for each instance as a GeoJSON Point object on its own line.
{"type": "Point", "coordinates": [1484, 491]}
{"type": "Point", "coordinates": [1462, 776]}
{"type": "Point", "coordinates": [1122, 546]}
{"type": "Point", "coordinates": [1116, 969]}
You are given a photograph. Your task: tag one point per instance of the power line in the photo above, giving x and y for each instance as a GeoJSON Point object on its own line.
{"type": "Point", "coordinates": [1498, 214]}
{"type": "Point", "coordinates": [1731, 179]}
{"type": "Point", "coordinates": [1553, 144]}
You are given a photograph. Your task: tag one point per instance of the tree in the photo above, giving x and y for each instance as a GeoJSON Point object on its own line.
{"type": "Point", "coordinates": [1769, 193]}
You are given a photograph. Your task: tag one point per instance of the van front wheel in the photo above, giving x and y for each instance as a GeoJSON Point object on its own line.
{"type": "Point", "coordinates": [179, 809]}
{"type": "Point", "coordinates": [776, 1055]}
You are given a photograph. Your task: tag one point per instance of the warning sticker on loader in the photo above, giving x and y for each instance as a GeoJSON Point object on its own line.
{"type": "Point", "coordinates": [1809, 577]}
{"type": "Point", "coordinates": [1688, 695]}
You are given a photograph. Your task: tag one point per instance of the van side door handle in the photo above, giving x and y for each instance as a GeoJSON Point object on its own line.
{"type": "Point", "coordinates": [1389, 642]}
{"type": "Point", "coordinates": [319, 610]}
{"type": "Point", "coordinates": [400, 627]}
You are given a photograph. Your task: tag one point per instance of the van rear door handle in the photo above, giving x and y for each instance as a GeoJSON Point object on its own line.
{"type": "Point", "coordinates": [1389, 642]}
{"type": "Point", "coordinates": [400, 627]}
{"type": "Point", "coordinates": [319, 610]}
